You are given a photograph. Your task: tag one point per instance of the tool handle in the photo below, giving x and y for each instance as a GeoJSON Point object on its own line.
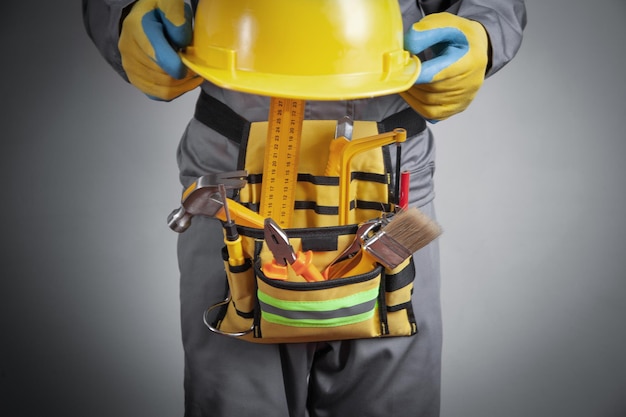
{"type": "Point", "coordinates": [235, 252]}
{"type": "Point", "coordinates": [361, 263]}
{"type": "Point", "coordinates": [303, 266]}
{"type": "Point", "coordinates": [241, 215]}
{"type": "Point", "coordinates": [349, 151]}
{"type": "Point", "coordinates": [333, 166]}
{"type": "Point", "coordinates": [405, 180]}
{"type": "Point", "coordinates": [366, 264]}
{"type": "Point", "coordinates": [274, 271]}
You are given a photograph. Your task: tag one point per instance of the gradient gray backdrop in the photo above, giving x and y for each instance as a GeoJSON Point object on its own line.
{"type": "Point", "coordinates": [531, 196]}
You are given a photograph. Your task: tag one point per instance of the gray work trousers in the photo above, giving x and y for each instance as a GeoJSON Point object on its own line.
{"type": "Point", "coordinates": [226, 377]}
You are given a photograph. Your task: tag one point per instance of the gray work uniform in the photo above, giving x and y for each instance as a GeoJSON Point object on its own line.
{"type": "Point", "coordinates": [373, 377]}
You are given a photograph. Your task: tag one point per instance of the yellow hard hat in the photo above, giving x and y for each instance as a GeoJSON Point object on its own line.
{"type": "Point", "coordinates": [304, 49]}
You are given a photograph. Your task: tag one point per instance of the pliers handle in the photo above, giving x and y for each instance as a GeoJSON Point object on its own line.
{"type": "Point", "coordinates": [278, 243]}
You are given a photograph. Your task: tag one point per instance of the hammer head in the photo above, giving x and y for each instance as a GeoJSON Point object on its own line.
{"type": "Point", "coordinates": [203, 198]}
{"type": "Point", "coordinates": [179, 220]}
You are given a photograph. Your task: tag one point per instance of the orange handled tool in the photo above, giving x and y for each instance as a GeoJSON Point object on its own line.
{"type": "Point", "coordinates": [278, 243]}
{"type": "Point", "coordinates": [240, 214]}
{"type": "Point", "coordinates": [203, 198]}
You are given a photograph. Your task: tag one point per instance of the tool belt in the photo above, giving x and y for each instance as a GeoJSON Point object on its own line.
{"type": "Point", "coordinates": [364, 302]}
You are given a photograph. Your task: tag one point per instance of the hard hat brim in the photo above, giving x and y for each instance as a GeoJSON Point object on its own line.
{"type": "Point", "coordinates": [307, 87]}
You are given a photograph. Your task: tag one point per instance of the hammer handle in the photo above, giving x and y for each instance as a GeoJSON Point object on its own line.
{"type": "Point", "coordinates": [241, 215]}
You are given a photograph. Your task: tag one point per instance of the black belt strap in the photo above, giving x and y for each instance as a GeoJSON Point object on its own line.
{"type": "Point", "coordinates": [224, 120]}
{"type": "Point", "coordinates": [407, 119]}
{"type": "Point", "coordinates": [221, 118]}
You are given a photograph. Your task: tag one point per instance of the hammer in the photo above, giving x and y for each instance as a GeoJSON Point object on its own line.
{"type": "Point", "coordinates": [203, 198]}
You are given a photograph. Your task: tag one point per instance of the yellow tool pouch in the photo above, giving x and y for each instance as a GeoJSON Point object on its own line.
{"type": "Point", "coordinates": [365, 302]}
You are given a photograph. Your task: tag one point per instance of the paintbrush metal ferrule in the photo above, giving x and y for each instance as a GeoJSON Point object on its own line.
{"type": "Point", "coordinates": [406, 232]}
{"type": "Point", "coordinates": [386, 250]}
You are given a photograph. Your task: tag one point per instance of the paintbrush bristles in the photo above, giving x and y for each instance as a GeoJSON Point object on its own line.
{"type": "Point", "coordinates": [412, 229]}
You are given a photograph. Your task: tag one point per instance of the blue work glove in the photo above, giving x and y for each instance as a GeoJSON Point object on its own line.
{"type": "Point", "coordinates": [448, 81]}
{"type": "Point", "coordinates": [152, 32]}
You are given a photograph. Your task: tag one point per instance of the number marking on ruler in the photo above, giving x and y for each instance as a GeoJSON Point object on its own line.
{"type": "Point", "coordinates": [282, 153]}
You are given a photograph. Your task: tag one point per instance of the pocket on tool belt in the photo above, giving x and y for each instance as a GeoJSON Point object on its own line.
{"type": "Point", "coordinates": [342, 308]}
{"type": "Point", "coordinates": [398, 293]}
{"type": "Point", "coordinates": [242, 285]}
{"type": "Point", "coordinates": [366, 304]}
{"type": "Point", "coordinates": [318, 304]}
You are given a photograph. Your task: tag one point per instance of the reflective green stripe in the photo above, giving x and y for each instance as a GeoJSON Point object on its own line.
{"type": "Point", "coordinates": [326, 313]}
{"type": "Point", "coordinates": [320, 315]}
{"type": "Point", "coordinates": [339, 321]}
{"type": "Point", "coordinates": [324, 305]}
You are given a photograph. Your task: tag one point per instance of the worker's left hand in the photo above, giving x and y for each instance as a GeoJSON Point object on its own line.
{"type": "Point", "coordinates": [448, 81]}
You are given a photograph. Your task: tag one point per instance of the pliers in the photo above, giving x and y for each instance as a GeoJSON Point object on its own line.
{"type": "Point", "coordinates": [278, 243]}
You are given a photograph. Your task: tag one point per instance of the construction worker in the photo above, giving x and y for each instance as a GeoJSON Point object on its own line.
{"type": "Point", "coordinates": [460, 44]}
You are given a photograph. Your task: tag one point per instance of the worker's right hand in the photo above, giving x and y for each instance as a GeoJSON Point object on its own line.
{"type": "Point", "coordinates": [152, 32]}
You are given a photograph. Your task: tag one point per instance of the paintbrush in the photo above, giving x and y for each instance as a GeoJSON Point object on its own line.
{"type": "Point", "coordinates": [398, 238]}
{"type": "Point", "coordinates": [406, 233]}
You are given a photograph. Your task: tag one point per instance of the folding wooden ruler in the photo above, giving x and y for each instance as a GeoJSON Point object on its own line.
{"type": "Point", "coordinates": [282, 154]}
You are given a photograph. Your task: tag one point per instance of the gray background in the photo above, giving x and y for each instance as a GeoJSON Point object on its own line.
{"type": "Point", "coordinates": [530, 194]}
